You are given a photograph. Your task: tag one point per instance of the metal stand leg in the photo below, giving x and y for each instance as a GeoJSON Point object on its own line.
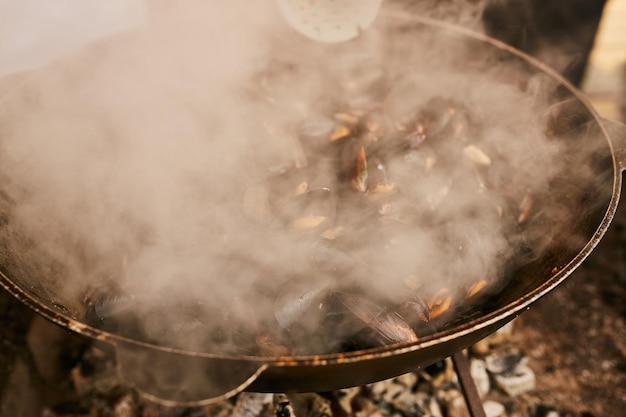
{"type": "Point", "coordinates": [473, 401]}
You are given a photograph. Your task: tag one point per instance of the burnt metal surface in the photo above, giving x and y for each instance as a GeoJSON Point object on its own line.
{"type": "Point", "coordinates": [34, 285]}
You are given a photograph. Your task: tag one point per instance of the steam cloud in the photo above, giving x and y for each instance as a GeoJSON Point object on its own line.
{"type": "Point", "coordinates": [145, 162]}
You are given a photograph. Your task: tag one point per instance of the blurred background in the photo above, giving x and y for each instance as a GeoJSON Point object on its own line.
{"type": "Point", "coordinates": [605, 73]}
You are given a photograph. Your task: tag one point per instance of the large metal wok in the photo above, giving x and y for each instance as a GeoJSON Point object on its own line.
{"type": "Point", "coordinates": [174, 376]}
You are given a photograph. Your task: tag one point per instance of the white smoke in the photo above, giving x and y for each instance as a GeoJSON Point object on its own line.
{"type": "Point", "coordinates": [147, 163]}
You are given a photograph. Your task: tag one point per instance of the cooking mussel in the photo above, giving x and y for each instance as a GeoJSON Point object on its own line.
{"type": "Point", "coordinates": [363, 193]}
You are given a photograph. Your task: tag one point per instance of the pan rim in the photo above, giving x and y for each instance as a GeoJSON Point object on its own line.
{"type": "Point", "coordinates": [501, 314]}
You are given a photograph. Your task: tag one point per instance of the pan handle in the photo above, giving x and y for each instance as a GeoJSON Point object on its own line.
{"type": "Point", "coordinates": [181, 379]}
{"type": "Point", "coordinates": [617, 135]}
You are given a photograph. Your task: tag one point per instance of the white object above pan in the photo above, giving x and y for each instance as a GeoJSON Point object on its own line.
{"type": "Point", "coordinates": [329, 20]}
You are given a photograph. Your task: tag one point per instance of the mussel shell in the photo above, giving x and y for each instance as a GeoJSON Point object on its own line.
{"type": "Point", "coordinates": [299, 303]}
